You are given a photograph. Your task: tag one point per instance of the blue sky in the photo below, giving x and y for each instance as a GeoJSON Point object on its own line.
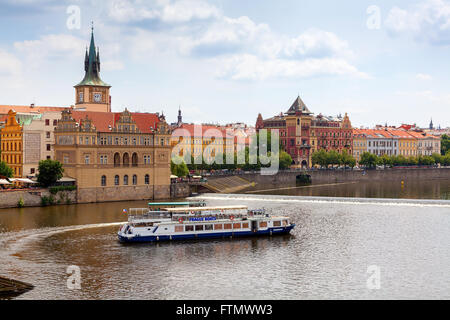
{"type": "Point", "coordinates": [226, 61]}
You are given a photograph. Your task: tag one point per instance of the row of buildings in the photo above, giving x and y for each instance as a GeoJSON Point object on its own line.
{"type": "Point", "coordinates": [110, 155]}
{"type": "Point", "coordinates": [302, 133]}
{"type": "Point", "coordinates": [126, 155]}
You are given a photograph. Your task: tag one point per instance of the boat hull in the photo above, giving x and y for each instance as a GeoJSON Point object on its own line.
{"type": "Point", "coordinates": [198, 236]}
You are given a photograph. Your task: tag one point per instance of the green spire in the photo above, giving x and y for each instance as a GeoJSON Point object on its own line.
{"type": "Point", "coordinates": [92, 66]}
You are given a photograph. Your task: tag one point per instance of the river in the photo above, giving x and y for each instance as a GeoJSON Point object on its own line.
{"type": "Point", "coordinates": [331, 254]}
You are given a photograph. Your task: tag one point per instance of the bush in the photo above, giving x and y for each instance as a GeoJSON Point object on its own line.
{"type": "Point", "coordinates": [55, 190]}
{"type": "Point", "coordinates": [47, 201]}
{"type": "Point", "coordinates": [21, 203]}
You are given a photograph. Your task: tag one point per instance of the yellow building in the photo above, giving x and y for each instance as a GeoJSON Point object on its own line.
{"type": "Point", "coordinates": [407, 143]}
{"type": "Point", "coordinates": [12, 144]}
{"type": "Point", "coordinates": [359, 144]}
{"type": "Point", "coordinates": [205, 141]}
{"type": "Point", "coordinates": [115, 156]}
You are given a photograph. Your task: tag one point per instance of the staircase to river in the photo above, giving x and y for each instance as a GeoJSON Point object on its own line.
{"type": "Point", "coordinates": [227, 184]}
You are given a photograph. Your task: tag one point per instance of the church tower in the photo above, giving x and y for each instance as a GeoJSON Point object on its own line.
{"type": "Point", "coordinates": [92, 94]}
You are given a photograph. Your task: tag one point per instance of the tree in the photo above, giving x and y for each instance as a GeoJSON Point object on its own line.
{"type": "Point", "coordinates": [386, 160]}
{"type": "Point", "coordinates": [445, 144]}
{"type": "Point", "coordinates": [180, 170]}
{"type": "Point", "coordinates": [369, 160]}
{"type": "Point", "coordinates": [50, 171]}
{"type": "Point", "coordinates": [320, 158]}
{"type": "Point", "coordinates": [5, 170]}
{"type": "Point", "coordinates": [347, 160]}
{"type": "Point", "coordinates": [285, 160]}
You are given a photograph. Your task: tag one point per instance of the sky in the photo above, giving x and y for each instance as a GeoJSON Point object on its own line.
{"type": "Point", "coordinates": [225, 61]}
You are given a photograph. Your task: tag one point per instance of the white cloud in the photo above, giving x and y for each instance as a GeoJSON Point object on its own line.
{"type": "Point", "coordinates": [10, 70]}
{"type": "Point", "coordinates": [128, 11]}
{"type": "Point", "coordinates": [250, 67]}
{"type": "Point", "coordinates": [427, 21]}
{"type": "Point", "coordinates": [423, 76]}
{"type": "Point", "coordinates": [49, 47]}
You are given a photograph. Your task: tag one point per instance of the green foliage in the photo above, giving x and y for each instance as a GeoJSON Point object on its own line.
{"type": "Point", "coordinates": [5, 170]}
{"type": "Point", "coordinates": [56, 189]}
{"type": "Point", "coordinates": [21, 203]}
{"type": "Point", "coordinates": [285, 160]}
{"type": "Point", "coordinates": [369, 160]}
{"type": "Point", "coordinates": [445, 144]}
{"type": "Point", "coordinates": [50, 171]}
{"type": "Point", "coordinates": [334, 158]}
{"type": "Point", "coordinates": [180, 170]}
{"type": "Point", "coordinates": [47, 201]}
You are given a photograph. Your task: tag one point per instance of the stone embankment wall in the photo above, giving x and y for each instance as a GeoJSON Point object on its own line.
{"type": "Point", "coordinates": [336, 176]}
{"type": "Point", "coordinates": [33, 198]}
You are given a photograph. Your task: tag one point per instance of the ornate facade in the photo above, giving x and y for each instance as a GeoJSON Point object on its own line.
{"type": "Point", "coordinates": [302, 133]}
{"type": "Point", "coordinates": [12, 144]}
{"type": "Point", "coordinates": [115, 156]}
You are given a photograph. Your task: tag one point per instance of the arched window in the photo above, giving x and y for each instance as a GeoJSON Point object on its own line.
{"type": "Point", "coordinates": [134, 180]}
{"type": "Point", "coordinates": [116, 180]}
{"type": "Point", "coordinates": [125, 180]}
{"type": "Point", "coordinates": [147, 179]}
{"type": "Point", "coordinates": [103, 181]}
{"type": "Point", "coordinates": [134, 160]}
{"type": "Point", "coordinates": [117, 160]}
{"type": "Point", "coordinates": [126, 160]}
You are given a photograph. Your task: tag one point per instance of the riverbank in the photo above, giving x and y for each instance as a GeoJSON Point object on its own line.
{"type": "Point", "coordinates": [339, 176]}
{"type": "Point", "coordinates": [45, 197]}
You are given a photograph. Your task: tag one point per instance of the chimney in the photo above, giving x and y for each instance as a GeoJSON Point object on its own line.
{"type": "Point", "coordinates": [32, 105]}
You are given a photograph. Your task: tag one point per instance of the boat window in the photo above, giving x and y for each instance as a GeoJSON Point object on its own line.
{"type": "Point", "coordinates": [277, 223]}
{"type": "Point", "coordinates": [227, 226]}
{"type": "Point", "coordinates": [218, 226]}
{"type": "Point", "coordinates": [285, 223]}
{"type": "Point", "coordinates": [236, 226]}
{"type": "Point", "coordinates": [189, 228]}
{"type": "Point", "coordinates": [178, 228]}
{"type": "Point", "coordinates": [208, 227]}
{"type": "Point", "coordinates": [263, 224]}
{"type": "Point", "coordinates": [245, 225]}
{"type": "Point", "coordinates": [199, 227]}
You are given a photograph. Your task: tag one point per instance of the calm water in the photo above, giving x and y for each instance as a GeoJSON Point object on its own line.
{"type": "Point", "coordinates": [414, 189]}
{"type": "Point", "coordinates": [327, 255]}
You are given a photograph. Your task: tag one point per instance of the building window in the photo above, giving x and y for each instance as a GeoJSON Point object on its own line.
{"type": "Point", "coordinates": [55, 122]}
{"type": "Point", "coordinates": [147, 179]}
{"type": "Point", "coordinates": [87, 159]}
{"type": "Point", "coordinates": [103, 181]}
{"type": "Point", "coordinates": [116, 180]}
{"type": "Point", "coordinates": [48, 134]}
{"type": "Point", "coordinates": [49, 158]}
{"type": "Point", "coordinates": [125, 180]}
{"type": "Point", "coordinates": [80, 97]}
{"type": "Point", "coordinates": [66, 159]}
{"type": "Point", "coordinates": [134, 160]}
{"type": "Point", "coordinates": [49, 147]}
{"type": "Point", "coordinates": [126, 160]}
{"type": "Point", "coordinates": [47, 122]}
{"type": "Point", "coordinates": [116, 160]}
{"type": "Point", "coordinates": [134, 180]}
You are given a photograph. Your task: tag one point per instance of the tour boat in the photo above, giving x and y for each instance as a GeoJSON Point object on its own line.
{"type": "Point", "coordinates": [184, 222]}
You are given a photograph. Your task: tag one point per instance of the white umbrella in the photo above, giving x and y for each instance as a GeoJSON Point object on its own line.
{"type": "Point", "coordinates": [173, 177]}
{"type": "Point", "coordinates": [3, 181]}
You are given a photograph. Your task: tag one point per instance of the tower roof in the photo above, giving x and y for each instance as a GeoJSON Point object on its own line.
{"type": "Point", "coordinates": [92, 67]}
{"type": "Point", "coordinates": [298, 106]}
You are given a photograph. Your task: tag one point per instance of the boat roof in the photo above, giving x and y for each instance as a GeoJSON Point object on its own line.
{"type": "Point", "coordinates": [206, 208]}
{"type": "Point", "coordinates": [172, 203]}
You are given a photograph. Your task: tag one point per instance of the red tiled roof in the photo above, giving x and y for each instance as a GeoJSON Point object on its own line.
{"type": "Point", "coordinates": [206, 130]}
{"type": "Point", "coordinates": [103, 120]}
{"type": "Point", "coordinates": [4, 109]}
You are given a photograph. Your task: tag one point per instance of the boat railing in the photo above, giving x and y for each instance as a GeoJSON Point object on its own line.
{"type": "Point", "coordinates": [144, 213]}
